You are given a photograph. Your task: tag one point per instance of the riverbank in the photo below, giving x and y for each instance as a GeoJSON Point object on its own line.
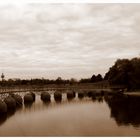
{"type": "Point", "coordinates": [79, 86]}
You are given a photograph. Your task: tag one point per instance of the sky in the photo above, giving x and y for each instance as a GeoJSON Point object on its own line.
{"type": "Point", "coordinates": [66, 40]}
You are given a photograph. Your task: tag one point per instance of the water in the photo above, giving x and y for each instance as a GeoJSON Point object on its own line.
{"type": "Point", "coordinates": [101, 116]}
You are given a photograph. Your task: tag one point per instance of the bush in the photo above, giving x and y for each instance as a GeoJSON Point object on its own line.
{"type": "Point", "coordinates": [58, 96]}
{"type": "Point", "coordinates": [33, 95]}
{"type": "Point", "coordinates": [80, 95]}
{"type": "Point", "coordinates": [28, 98]}
{"type": "Point", "coordinates": [11, 102]}
{"type": "Point", "coordinates": [89, 94]}
{"type": "Point", "coordinates": [70, 95]}
{"type": "Point", "coordinates": [45, 96]}
{"type": "Point", "coordinates": [18, 99]}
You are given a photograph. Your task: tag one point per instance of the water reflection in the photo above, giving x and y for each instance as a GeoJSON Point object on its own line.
{"type": "Point", "coordinates": [96, 97]}
{"type": "Point", "coordinates": [46, 103]}
{"type": "Point", "coordinates": [125, 109]}
{"type": "Point", "coordinates": [80, 95]}
{"type": "Point", "coordinates": [28, 104]}
{"type": "Point", "coordinates": [3, 118]}
{"type": "Point", "coordinates": [10, 113]}
{"type": "Point", "coordinates": [100, 99]}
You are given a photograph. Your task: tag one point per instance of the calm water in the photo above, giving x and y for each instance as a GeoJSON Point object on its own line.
{"type": "Point", "coordinates": [102, 116]}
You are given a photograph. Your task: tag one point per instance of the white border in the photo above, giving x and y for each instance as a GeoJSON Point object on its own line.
{"type": "Point", "coordinates": [67, 1]}
{"type": "Point", "coordinates": [76, 2]}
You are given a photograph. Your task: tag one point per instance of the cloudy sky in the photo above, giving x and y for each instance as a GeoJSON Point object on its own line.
{"type": "Point", "coordinates": [67, 40]}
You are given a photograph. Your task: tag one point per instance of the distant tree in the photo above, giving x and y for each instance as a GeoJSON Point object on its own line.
{"type": "Point", "coordinates": [73, 81]}
{"type": "Point", "coordinates": [97, 78]}
{"type": "Point", "coordinates": [59, 80]}
{"type": "Point", "coordinates": [88, 80]}
{"type": "Point", "coordinates": [93, 78]}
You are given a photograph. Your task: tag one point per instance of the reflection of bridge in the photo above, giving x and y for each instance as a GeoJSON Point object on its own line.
{"type": "Point", "coordinates": [76, 87]}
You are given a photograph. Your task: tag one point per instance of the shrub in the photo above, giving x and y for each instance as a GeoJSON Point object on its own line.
{"type": "Point", "coordinates": [80, 95]}
{"type": "Point", "coordinates": [28, 98]}
{"type": "Point", "coordinates": [89, 94]}
{"type": "Point", "coordinates": [11, 102]}
{"type": "Point", "coordinates": [58, 96]}
{"type": "Point", "coordinates": [18, 99]}
{"type": "Point", "coordinates": [45, 96]}
{"type": "Point", "coordinates": [33, 95]}
{"type": "Point", "coordinates": [70, 95]}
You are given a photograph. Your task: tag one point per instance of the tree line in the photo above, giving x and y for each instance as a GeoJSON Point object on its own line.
{"type": "Point", "coordinates": [124, 72]}
{"type": "Point", "coordinates": [42, 81]}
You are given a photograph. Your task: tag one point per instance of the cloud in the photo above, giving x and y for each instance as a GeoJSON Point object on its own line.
{"type": "Point", "coordinates": [69, 40]}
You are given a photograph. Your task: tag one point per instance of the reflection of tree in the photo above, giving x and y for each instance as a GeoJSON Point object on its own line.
{"type": "Point", "coordinates": [125, 109]}
{"type": "Point", "coordinates": [97, 98]}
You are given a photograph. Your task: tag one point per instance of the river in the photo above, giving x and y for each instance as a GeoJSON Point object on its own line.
{"type": "Point", "coordinates": [103, 116]}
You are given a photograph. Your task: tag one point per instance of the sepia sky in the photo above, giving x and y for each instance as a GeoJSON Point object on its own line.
{"type": "Point", "coordinates": [67, 40]}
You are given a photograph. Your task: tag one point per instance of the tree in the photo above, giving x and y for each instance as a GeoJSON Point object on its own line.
{"type": "Point", "coordinates": [125, 72]}
{"type": "Point", "coordinates": [97, 78]}
{"type": "Point", "coordinates": [73, 81]}
{"type": "Point", "coordinates": [93, 78]}
{"type": "Point", "coordinates": [59, 80]}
